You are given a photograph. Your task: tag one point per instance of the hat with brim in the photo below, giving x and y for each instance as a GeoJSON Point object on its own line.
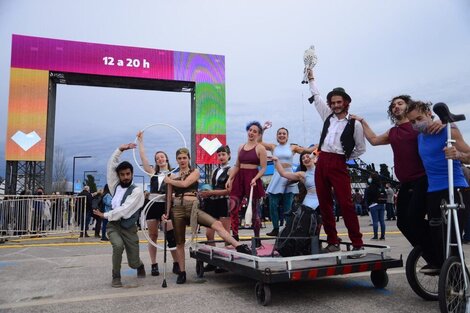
{"type": "Point", "coordinates": [338, 91]}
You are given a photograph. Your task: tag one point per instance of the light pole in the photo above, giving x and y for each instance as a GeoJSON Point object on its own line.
{"type": "Point", "coordinates": [73, 169]}
{"type": "Point", "coordinates": [143, 181]}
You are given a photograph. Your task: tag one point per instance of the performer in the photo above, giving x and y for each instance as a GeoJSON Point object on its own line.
{"type": "Point", "coordinates": [245, 174]}
{"type": "Point", "coordinates": [279, 190]}
{"type": "Point", "coordinates": [186, 209]}
{"type": "Point", "coordinates": [342, 138]}
{"type": "Point", "coordinates": [122, 228]}
{"type": "Point", "coordinates": [155, 212]}
{"type": "Point", "coordinates": [215, 201]}
{"type": "Point", "coordinates": [306, 175]}
{"type": "Point", "coordinates": [431, 150]}
{"type": "Point", "coordinates": [409, 169]}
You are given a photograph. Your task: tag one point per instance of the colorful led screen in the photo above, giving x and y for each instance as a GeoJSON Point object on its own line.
{"type": "Point", "coordinates": [34, 57]}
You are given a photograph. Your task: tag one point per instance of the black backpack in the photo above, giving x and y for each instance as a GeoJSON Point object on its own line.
{"type": "Point", "coordinates": [295, 238]}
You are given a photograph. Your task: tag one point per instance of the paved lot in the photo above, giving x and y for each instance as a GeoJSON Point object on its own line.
{"type": "Point", "coordinates": [64, 275]}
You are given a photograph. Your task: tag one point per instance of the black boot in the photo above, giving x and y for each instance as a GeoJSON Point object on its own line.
{"type": "Point", "coordinates": [116, 282]}
{"type": "Point", "coordinates": [176, 268]}
{"type": "Point", "coordinates": [141, 271]}
{"type": "Point", "coordinates": [243, 249]}
{"type": "Point", "coordinates": [155, 271]}
{"type": "Point", "coordinates": [274, 232]}
{"type": "Point", "coordinates": [181, 278]}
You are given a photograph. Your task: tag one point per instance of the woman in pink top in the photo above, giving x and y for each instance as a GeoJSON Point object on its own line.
{"type": "Point", "coordinates": [250, 166]}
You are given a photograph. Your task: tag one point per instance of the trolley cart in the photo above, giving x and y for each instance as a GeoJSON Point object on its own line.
{"type": "Point", "coordinates": [270, 269]}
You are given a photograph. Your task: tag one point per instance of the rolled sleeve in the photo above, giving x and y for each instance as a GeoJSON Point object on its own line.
{"type": "Point", "coordinates": [360, 141]}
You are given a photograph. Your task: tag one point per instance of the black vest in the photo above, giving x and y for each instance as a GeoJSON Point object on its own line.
{"type": "Point", "coordinates": [132, 220]}
{"type": "Point", "coordinates": [155, 187]}
{"type": "Point", "coordinates": [220, 183]}
{"type": "Point", "coordinates": [347, 137]}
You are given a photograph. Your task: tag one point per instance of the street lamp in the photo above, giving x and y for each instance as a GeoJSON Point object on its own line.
{"type": "Point", "coordinates": [143, 181]}
{"type": "Point", "coordinates": [84, 173]}
{"type": "Point", "coordinates": [73, 169]}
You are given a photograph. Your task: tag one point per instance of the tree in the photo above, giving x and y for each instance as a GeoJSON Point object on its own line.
{"type": "Point", "coordinates": [90, 182]}
{"type": "Point", "coordinates": [384, 171]}
{"type": "Point", "coordinates": [60, 171]}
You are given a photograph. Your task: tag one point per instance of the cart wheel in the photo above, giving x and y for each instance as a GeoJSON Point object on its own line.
{"type": "Point", "coordinates": [425, 286]}
{"type": "Point", "coordinates": [263, 293]}
{"type": "Point", "coordinates": [200, 269]}
{"type": "Point", "coordinates": [379, 278]}
{"type": "Point", "coordinates": [452, 287]}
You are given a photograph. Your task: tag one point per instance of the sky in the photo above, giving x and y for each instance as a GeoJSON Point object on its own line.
{"type": "Point", "coordinates": [374, 49]}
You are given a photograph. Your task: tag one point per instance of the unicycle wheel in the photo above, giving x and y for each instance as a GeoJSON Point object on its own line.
{"type": "Point", "coordinates": [452, 293]}
{"type": "Point", "coordinates": [424, 285]}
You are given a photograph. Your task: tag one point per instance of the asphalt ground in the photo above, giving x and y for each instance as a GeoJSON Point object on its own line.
{"type": "Point", "coordinates": [67, 274]}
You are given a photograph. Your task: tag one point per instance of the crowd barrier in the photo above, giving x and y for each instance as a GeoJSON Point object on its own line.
{"type": "Point", "coordinates": [27, 216]}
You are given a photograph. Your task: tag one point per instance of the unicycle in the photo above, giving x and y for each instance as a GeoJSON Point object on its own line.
{"type": "Point", "coordinates": [453, 279]}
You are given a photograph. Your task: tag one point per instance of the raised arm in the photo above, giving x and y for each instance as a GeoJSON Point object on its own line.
{"type": "Point", "coordinates": [322, 108]}
{"type": "Point", "coordinates": [111, 175]}
{"type": "Point", "coordinates": [371, 137]}
{"type": "Point", "coordinates": [143, 157]}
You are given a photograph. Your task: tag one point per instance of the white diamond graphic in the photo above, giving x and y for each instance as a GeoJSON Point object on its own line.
{"type": "Point", "coordinates": [210, 146]}
{"type": "Point", "coordinates": [26, 141]}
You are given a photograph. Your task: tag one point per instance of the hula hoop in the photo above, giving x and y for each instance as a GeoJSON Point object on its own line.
{"type": "Point", "coordinates": [136, 142]}
{"type": "Point", "coordinates": [143, 223]}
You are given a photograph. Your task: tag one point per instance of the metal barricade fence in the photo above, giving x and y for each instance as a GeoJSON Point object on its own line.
{"type": "Point", "coordinates": [26, 216]}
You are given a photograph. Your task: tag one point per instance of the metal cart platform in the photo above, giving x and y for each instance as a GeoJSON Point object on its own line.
{"type": "Point", "coordinates": [268, 268]}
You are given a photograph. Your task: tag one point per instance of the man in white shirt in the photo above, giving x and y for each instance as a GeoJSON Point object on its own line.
{"type": "Point", "coordinates": [342, 138]}
{"type": "Point", "coordinates": [122, 228]}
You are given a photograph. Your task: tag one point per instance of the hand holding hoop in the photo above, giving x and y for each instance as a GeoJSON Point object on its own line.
{"type": "Point", "coordinates": [139, 139]}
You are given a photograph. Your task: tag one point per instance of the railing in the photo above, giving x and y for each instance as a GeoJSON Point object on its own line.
{"type": "Point", "coordinates": [26, 216]}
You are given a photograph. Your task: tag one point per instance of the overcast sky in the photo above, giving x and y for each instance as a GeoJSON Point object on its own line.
{"type": "Point", "coordinates": [374, 49]}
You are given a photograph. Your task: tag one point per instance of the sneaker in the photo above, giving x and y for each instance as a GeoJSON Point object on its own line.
{"type": "Point", "coordinates": [155, 271]}
{"type": "Point", "coordinates": [273, 233]}
{"type": "Point", "coordinates": [116, 282]}
{"type": "Point", "coordinates": [141, 271]}
{"type": "Point", "coordinates": [382, 238]}
{"type": "Point", "coordinates": [243, 249]}
{"type": "Point", "coordinates": [430, 269]}
{"type": "Point", "coordinates": [220, 270]}
{"type": "Point", "coordinates": [104, 239]}
{"type": "Point", "coordinates": [358, 255]}
{"type": "Point", "coordinates": [176, 268]}
{"type": "Point", "coordinates": [181, 278]}
{"type": "Point", "coordinates": [374, 238]}
{"type": "Point", "coordinates": [209, 268]}
{"type": "Point", "coordinates": [331, 248]}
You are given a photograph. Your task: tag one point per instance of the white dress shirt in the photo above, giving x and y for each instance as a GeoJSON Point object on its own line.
{"type": "Point", "coordinates": [133, 202]}
{"type": "Point", "coordinates": [332, 142]}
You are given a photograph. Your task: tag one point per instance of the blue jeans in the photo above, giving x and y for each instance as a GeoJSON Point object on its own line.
{"type": "Point", "coordinates": [358, 207]}
{"type": "Point", "coordinates": [286, 203]}
{"type": "Point", "coordinates": [377, 212]}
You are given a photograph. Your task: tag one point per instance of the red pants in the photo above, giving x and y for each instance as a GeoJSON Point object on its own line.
{"type": "Point", "coordinates": [332, 174]}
